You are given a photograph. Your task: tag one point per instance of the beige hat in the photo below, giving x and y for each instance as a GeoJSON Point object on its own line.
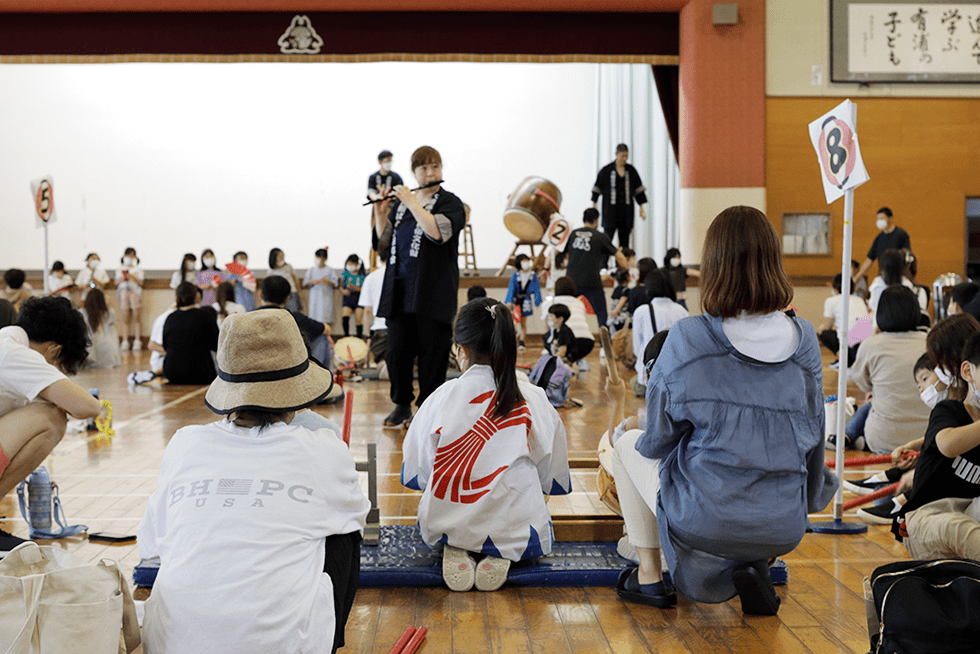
{"type": "Point", "coordinates": [263, 365]}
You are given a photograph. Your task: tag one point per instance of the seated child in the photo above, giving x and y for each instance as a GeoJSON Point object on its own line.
{"type": "Point", "coordinates": [47, 343]}
{"type": "Point", "coordinates": [833, 314]}
{"type": "Point", "coordinates": [475, 291]}
{"type": "Point", "coordinates": [17, 289]}
{"type": "Point", "coordinates": [619, 317]}
{"type": "Point", "coordinates": [486, 450]}
{"type": "Point", "coordinates": [190, 334]}
{"type": "Point", "coordinates": [100, 321]}
{"type": "Point", "coordinates": [256, 520]}
{"type": "Point", "coordinates": [59, 281]}
{"type": "Point", "coordinates": [558, 340]}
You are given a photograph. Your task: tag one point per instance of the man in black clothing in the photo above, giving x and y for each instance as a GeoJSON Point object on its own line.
{"type": "Point", "coordinates": [891, 237]}
{"type": "Point", "coordinates": [379, 185]}
{"type": "Point", "coordinates": [275, 294]}
{"type": "Point", "coordinates": [190, 335]}
{"type": "Point", "coordinates": [621, 189]}
{"type": "Point", "coordinates": [588, 251]}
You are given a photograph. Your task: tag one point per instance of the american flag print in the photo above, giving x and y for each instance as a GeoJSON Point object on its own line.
{"type": "Point", "coordinates": [454, 462]}
{"type": "Point", "coordinates": [234, 486]}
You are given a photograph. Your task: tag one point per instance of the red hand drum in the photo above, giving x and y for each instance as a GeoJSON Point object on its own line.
{"type": "Point", "coordinates": [530, 207]}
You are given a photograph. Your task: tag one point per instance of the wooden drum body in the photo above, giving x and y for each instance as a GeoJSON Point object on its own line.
{"type": "Point", "coordinates": [530, 207]}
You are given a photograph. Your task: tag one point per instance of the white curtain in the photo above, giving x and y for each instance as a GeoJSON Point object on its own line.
{"type": "Point", "coordinates": [628, 111]}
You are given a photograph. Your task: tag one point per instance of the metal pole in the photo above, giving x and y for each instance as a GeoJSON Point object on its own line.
{"type": "Point", "coordinates": [44, 273]}
{"type": "Point", "coordinates": [845, 289]}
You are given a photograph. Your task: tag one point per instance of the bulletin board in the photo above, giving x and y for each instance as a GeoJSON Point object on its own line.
{"type": "Point", "coordinates": [908, 42]}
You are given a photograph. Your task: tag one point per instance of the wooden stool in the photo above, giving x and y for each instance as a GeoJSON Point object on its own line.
{"type": "Point", "coordinates": [468, 252]}
{"type": "Point", "coordinates": [529, 244]}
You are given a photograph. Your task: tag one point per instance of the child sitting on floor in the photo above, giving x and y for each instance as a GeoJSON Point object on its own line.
{"type": "Point", "coordinates": [257, 519]}
{"type": "Point", "coordinates": [485, 449]}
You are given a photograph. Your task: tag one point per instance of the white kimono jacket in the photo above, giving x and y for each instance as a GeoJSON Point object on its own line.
{"type": "Point", "coordinates": [484, 480]}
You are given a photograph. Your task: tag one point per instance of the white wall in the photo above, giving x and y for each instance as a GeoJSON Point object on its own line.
{"type": "Point", "coordinates": [798, 37]}
{"type": "Point", "coordinates": [169, 158]}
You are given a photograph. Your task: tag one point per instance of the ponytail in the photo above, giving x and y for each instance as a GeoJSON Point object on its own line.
{"type": "Point", "coordinates": [484, 327]}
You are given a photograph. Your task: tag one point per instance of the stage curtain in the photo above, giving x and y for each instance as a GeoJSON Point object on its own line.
{"type": "Point", "coordinates": [667, 79]}
{"type": "Point", "coordinates": [628, 111]}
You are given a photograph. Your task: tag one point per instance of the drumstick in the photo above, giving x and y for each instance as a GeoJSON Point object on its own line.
{"type": "Point", "coordinates": [388, 197]}
{"type": "Point", "coordinates": [400, 644]}
{"type": "Point", "coordinates": [610, 357]}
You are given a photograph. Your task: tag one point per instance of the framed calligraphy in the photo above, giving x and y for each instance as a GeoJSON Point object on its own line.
{"type": "Point", "coordinates": [806, 234]}
{"type": "Point", "coordinates": [908, 42]}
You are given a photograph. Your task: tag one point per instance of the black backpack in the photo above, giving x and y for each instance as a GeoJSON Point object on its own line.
{"type": "Point", "coordinates": [927, 607]}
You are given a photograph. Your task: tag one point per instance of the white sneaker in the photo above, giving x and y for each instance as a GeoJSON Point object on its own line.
{"type": "Point", "coordinates": [458, 569]}
{"type": "Point", "coordinates": [491, 573]}
{"type": "Point", "coordinates": [583, 365]}
{"type": "Point", "coordinates": [137, 345]}
{"type": "Point", "coordinates": [626, 550]}
{"type": "Point", "coordinates": [124, 346]}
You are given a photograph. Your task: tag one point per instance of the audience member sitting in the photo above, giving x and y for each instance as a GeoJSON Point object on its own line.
{"type": "Point", "coordinates": [638, 294]}
{"type": "Point", "coordinates": [101, 323]}
{"type": "Point", "coordinates": [559, 340]}
{"type": "Point", "coordinates": [833, 314]}
{"type": "Point", "coordinates": [47, 343]}
{"type": "Point", "coordinates": [272, 567]}
{"type": "Point", "coordinates": [275, 295]}
{"type": "Point", "coordinates": [59, 281]}
{"type": "Point", "coordinates": [8, 314]}
{"type": "Point", "coordinates": [485, 449]}
{"type": "Point", "coordinates": [892, 268]}
{"type": "Point", "coordinates": [658, 314]}
{"type": "Point", "coordinates": [735, 422]}
{"type": "Point", "coordinates": [565, 293]}
{"type": "Point", "coordinates": [190, 335]}
{"type": "Point", "coordinates": [961, 296]}
{"type": "Point", "coordinates": [17, 289]}
{"type": "Point", "coordinates": [474, 292]}
{"type": "Point", "coordinates": [882, 367]}
{"type": "Point", "coordinates": [224, 302]}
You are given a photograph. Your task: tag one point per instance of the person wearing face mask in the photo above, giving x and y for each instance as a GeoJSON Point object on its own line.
{"type": "Point", "coordinates": [48, 342]}
{"type": "Point", "coordinates": [321, 279]}
{"type": "Point", "coordinates": [186, 272]}
{"type": "Point", "coordinates": [129, 293]}
{"type": "Point", "coordinates": [621, 189]}
{"type": "Point", "coordinates": [93, 275]}
{"type": "Point", "coordinates": [350, 287]}
{"type": "Point", "coordinates": [379, 185]}
{"type": "Point", "coordinates": [209, 277]}
{"type": "Point", "coordinates": [890, 237]}
{"type": "Point", "coordinates": [244, 281]}
{"type": "Point", "coordinates": [420, 239]}
{"type": "Point", "coordinates": [524, 291]}
{"type": "Point", "coordinates": [678, 274]}
{"type": "Point", "coordinates": [485, 449]}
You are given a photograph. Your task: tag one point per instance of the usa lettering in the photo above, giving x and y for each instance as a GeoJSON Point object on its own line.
{"type": "Point", "coordinates": [226, 491]}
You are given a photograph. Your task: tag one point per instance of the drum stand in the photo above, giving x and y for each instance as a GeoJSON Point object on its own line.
{"type": "Point", "coordinates": [468, 252]}
{"type": "Point", "coordinates": [520, 242]}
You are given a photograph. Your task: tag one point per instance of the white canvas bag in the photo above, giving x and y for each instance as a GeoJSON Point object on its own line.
{"type": "Point", "coordinates": [52, 602]}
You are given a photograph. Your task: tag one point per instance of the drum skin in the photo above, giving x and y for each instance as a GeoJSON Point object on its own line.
{"type": "Point", "coordinates": [358, 350]}
{"type": "Point", "coordinates": [529, 212]}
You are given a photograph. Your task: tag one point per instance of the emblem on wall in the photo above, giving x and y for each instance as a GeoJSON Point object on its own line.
{"type": "Point", "coordinates": [300, 38]}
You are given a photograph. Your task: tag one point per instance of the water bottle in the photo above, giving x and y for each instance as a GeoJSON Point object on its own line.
{"type": "Point", "coordinates": [91, 426]}
{"type": "Point", "coordinates": [39, 489]}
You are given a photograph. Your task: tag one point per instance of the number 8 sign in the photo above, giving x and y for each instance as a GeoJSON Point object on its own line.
{"type": "Point", "coordinates": [835, 141]}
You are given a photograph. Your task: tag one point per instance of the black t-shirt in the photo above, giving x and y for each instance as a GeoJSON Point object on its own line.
{"type": "Point", "coordinates": [588, 251]}
{"type": "Point", "coordinates": [936, 475]}
{"type": "Point", "coordinates": [678, 277]}
{"type": "Point", "coordinates": [897, 240]}
{"type": "Point", "coordinates": [637, 298]}
{"type": "Point", "coordinates": [189, 337]}
{"type": "Point", "coordinates": [559, 337]}
{"type": "Point", "coordinates": [310, 328]}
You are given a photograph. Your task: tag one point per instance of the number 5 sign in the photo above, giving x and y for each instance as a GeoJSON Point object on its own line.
{"type": "Point", "coordinates": [835, 140]}
{"type": "Point", "coordinates": [43, 192]}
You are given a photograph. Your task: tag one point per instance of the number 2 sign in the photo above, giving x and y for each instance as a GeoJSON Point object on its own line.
{"type": "Point", "coordinates": [835, 140]}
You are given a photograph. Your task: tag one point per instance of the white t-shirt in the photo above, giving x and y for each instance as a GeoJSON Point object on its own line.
{"type": "Point", "coordinates": [156, 335]}
{"type": "Point", "coordinates": [833, 307]}
{"type": "Point", "coordinates": [86, 275]}
{"type": "Point", "coordinates": [230, 308]}
{"type": "Point", "coordinates": [239, 522]}
{"type": "Point", "coordinates": [59, 285]}
{"type": "Point", "coordinates": [577, 321]}
{"type": "Point", "coordinates": [23, 372]}
{"type": "Point", "coordinates": [124, 273]}
{"type": "Point", "coordinates": [371, 296]}
{"type": "Point", "coordinates": [667, 312]}
{"type": "Point", "coordinates": [769, 337]}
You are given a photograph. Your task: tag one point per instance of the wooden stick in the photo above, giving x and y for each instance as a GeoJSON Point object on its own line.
{"type": "Point", "coordinates": [416, 641]}
{"type": "Point", "coordinates": [400, 645]}
{"type": "Point", "coordinates": [871, 497]}
{"type": "Point", "coordinates": [348, 415]}
{"type": "Point", "coordinates": [610, 357]}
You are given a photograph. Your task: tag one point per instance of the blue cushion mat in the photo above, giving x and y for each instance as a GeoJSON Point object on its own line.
{"type": "Point", "coordinates": [402, 559]}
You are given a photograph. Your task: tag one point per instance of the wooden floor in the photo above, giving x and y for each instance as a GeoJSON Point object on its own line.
{"type": "Point", "coordinates": [105, 485]}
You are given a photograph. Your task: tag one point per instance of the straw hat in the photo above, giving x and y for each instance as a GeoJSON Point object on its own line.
{"type": "Point", "coordinates": [263, 365]}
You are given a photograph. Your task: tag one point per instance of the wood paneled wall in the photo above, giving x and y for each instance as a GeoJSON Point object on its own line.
{"type": "Point", "coordinates": [923, 156]}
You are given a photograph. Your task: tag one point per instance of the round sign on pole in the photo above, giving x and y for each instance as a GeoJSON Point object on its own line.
{"type": "Point", "coordinates": [837, 150]}
{"type": "Point", "coordinates": [44, 200]}
{"type": "Point", "coordinates": [558, 232]}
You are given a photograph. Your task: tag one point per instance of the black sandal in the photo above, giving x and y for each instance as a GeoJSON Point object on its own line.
{"type": "Point", "coordinates": [628, 588]}
{"type": "Point", "coordinates": [755, 590]}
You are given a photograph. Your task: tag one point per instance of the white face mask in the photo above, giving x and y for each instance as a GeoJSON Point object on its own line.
{"type": "Point", "coordinates": [676, 261]}
{"type": "Point", "coordinates": [385, 167]}
{"type": "Point", "coordinates": [551, 323]}
{"type": "Point", "coordinates": [243, 262]}
{"type": "Point", "coordinates": [526, 264]}
{"type": "Point", "coordinates": [352, 268]}
{"type": "Point", "coordinates": [93, 264]}
{"type": "Point", "coordinates": [128, 261]}
{"type": "Point", "coordinates": [881, 223]}
{"type": "Point", "coordinates": [943, 377]}
{"type": "Point", "coordinates": [932, 397]}
{"type": "Point", "coordinates": [208, 262]}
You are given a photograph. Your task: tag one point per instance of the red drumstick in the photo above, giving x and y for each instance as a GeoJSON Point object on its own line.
{"type": "Point", "coordinates": [415, 642]}
{"type": "Point", "coordinates": [871, 497]}
{"type": "Point", "coordinates": [398, 646]}
{"type": "Point", "coordinates": [871, 460]}
{"type": "Point", "coordinates": [348, 414]}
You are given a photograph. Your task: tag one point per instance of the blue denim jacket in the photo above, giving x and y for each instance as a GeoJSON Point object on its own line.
{"type": "Point", "coordinates": [740, 442]}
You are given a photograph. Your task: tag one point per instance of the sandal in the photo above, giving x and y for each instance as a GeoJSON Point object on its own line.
{"type": "Point", "coordinates": [458, 569]}
{"type": "Point", "coordinates": [755, 590]}
{"type": "Point", "coordinates": [629, 588]}
{"type": "Point", "coordinates": [491, 573]}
